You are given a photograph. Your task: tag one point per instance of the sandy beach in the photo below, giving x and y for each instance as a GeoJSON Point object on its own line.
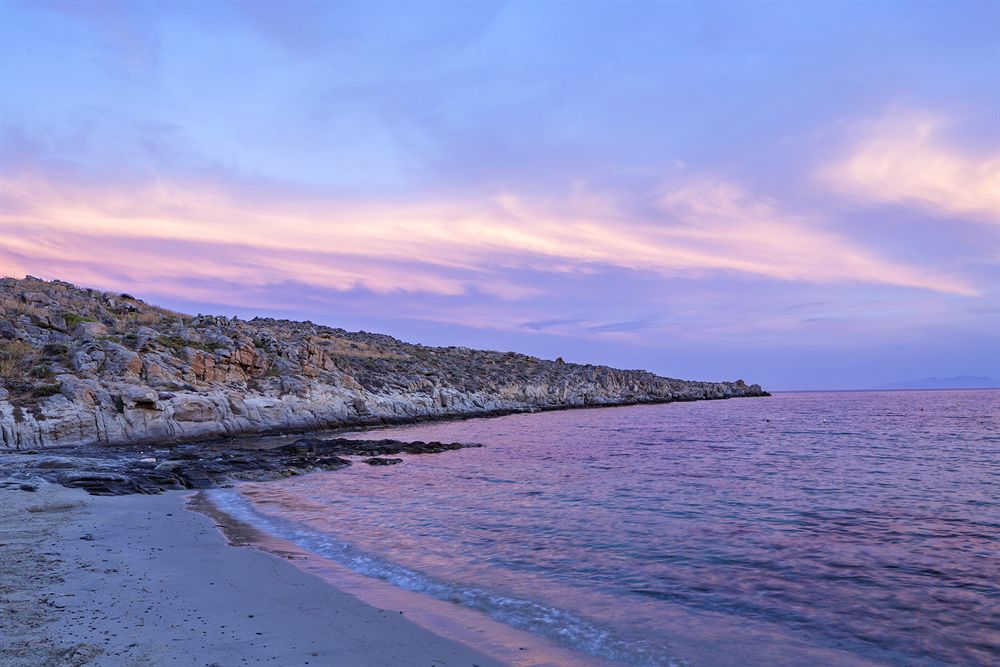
{"type": "Point", "coordinates": [142, 580]}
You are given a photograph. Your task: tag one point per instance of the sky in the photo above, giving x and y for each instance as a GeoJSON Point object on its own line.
{"type": "Point", "coordinates": [804, 195]}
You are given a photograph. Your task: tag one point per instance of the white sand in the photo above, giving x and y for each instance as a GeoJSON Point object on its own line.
{"type": "Point", "coordinates": [156, 584]}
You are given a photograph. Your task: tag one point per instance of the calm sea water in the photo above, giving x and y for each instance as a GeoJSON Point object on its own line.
{"type": "Point", "coordinates": [808, 528]}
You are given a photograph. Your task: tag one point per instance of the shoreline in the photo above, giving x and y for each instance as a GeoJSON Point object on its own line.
{"type": "Point", "coordinates": [120, 469]}
{"type": "Point", "coordinates": [498, 641]}
{"type": "Point", "coordinates": [144, 581]}
{"type": "Point", "coordinates": [387, 422]}
{"type": "Point", "coordinates": [337, 426]}
{"type": "Point", "coordinates": [127, 581]}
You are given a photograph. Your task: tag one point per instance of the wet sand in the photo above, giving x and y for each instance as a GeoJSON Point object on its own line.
{"type": "Point", "coordinates": [143, 581]}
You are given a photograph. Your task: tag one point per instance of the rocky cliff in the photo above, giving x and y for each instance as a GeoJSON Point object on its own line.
{"type": "Point", "coordinates": [80, 366]}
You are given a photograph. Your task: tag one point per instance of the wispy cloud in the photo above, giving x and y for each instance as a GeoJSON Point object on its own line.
{"type": "Point", "coordinates": [903, 158]}
{"type": "Point", "coordinates": [725, 227]}
{"type": "Point", "coordinates": [440, 247]}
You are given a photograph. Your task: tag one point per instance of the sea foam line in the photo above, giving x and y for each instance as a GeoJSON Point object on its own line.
{"type": "Point", "coordinates": [560, 625]}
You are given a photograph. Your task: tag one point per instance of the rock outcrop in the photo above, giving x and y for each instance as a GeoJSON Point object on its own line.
{"type": "Point", "coordinates": [80, 366]}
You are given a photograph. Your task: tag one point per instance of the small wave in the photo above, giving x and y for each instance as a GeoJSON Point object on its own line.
{"type": "Point", "coordinates": [542, 620]}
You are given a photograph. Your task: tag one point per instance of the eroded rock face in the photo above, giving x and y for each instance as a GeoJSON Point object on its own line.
{"type": "Point", "coordinates": [81, 366]}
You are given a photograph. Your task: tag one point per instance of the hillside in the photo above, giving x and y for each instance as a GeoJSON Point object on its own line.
{"type": "Point", "coordinates": [81, 366]}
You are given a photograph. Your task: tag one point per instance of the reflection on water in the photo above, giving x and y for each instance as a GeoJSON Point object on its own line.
{"type": "Point", "coordinates": [836, 528]}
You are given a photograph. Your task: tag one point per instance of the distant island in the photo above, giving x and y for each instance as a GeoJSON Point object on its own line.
{"type": "Point", "coordinates": [84, 367]}
{"type": "Point", "coordinates": [957, 382]}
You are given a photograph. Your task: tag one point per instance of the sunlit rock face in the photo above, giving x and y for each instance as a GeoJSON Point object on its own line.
{"type": "Point", "coordinates": [80, 366]}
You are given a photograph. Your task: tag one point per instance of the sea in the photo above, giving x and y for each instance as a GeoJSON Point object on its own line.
{"type": "Point", "coordinates": [822, 528]}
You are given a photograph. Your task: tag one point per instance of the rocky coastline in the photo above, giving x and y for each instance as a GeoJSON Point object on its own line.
{"type": "Point", "coordinates": [105, 394]}
{"type": "Point", "coordinates": [85, 367]}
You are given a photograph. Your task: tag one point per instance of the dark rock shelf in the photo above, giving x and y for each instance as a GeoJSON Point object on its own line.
{"type": "Point", "coordinates": [110, 471]}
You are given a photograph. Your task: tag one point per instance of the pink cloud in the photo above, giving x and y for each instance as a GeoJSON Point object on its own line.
{"type": "Point", "coordinates": [902, 158]}
{"type": "Point", "coordinates": [728, 228]}
{"type": "Point", "coordinates": [173, 229]}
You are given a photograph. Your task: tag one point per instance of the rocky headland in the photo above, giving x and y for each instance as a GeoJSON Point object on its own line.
{"type": "Point", "coordinates": [85, 367]}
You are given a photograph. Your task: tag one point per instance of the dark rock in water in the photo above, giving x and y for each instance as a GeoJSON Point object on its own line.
{"type": "Point", "coordinates": [28, 487]}
{"type": "Point", "coordinates": [375, 461]}
{"type": "Point", "coordinates": [104, 483]}
{"type": "Point", "coordinates": [109, 471]}
{"type": "Point", "coordinates": [345, 446]}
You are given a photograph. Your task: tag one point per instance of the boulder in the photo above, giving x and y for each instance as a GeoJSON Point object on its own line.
{"type": "Point", "coordinates": [186, 409]}
{"type": "Point", "coordinates": [89, 330]}
{"type": "Point", "coordinates": [140, 396]}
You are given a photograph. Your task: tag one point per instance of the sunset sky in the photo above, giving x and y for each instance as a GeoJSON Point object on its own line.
{"type": "Point", "coordinates": [801, 195]}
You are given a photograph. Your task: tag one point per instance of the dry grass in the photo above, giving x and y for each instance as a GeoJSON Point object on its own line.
{"type": "Point", "coordinates": [15, 358]}
{"type": "Point", "coordinates": [163, 312]}
{"type": "Point", "coordinates": [150, 315]}
{"type": "Point", "coordinates": [339, 347]}
{"type": "Point", "coordinates": [166, 312]}
{"type": "Point", "coordinates": [20, 307]}
{"type": "Point", "coordinates": [143, 317]}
